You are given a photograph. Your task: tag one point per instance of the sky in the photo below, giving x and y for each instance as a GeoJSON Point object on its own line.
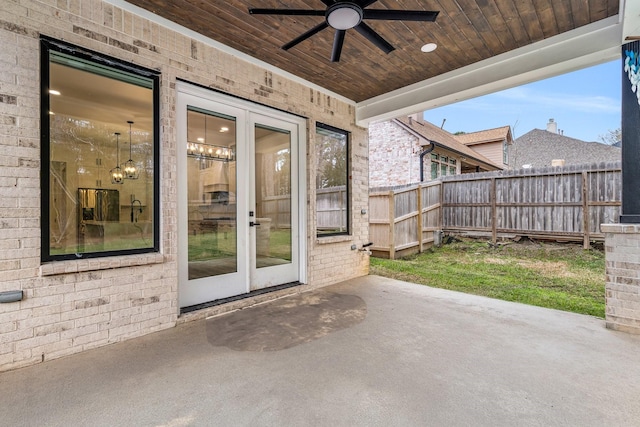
{"type": "Point", "coordinates": [585, 104]}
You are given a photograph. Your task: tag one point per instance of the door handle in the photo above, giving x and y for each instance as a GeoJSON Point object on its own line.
{"type": "Point", "coordinates": [253, 224]}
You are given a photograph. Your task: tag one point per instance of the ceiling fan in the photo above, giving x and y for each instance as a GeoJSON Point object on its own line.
{"type": "Point", "coordinates": [344, 15]}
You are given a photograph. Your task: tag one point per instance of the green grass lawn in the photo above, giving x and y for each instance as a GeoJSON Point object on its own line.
{"type": "Point", "coordinates": [207, 246]}
{"type": "Point", "coordinates": [561, 276]}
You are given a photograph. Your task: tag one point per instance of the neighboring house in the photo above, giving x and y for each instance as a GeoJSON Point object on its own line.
{"type": "Point", "coordinates": [539, 148]}
{"type": "Point", "coordinates": [409, 150]}
{"type": "Point", "coordinates": [494, 144]}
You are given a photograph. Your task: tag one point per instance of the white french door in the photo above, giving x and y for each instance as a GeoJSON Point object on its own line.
{"type": "Point", "coordinates": [274, 234]}
{"type": "Point", "coordinates": [240, 174]}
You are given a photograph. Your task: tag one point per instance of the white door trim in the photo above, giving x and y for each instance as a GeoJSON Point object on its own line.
{"type": "Point", "coordinates": [243, 110]}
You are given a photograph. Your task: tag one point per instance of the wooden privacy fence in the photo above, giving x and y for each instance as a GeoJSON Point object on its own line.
{"type": "Point", "coordinates": [567, 203]}
{"type": "Point", "coordinates": [404, 220]}
{"type": "Point", "coordinates": [331, 208]}
{"type": "Point", "coordinates": [278, 209]}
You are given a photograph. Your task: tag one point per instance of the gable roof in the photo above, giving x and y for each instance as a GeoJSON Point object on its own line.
{"type": "Point", "coordinates": [443, 139]}
{"type": "Point", "coordinates": [489, 135]}
{"type": "Point", "coordinates": [539, 147]}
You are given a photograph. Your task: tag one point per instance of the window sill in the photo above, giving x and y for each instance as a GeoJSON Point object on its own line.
{"type": "Point", "coordinates": [334, 239]}
{"type": "Point", "coordinates": [77, 266]}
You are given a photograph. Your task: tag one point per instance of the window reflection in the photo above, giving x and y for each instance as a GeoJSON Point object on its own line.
{"type": "Point", "coordinates": [332, 181]}
{"type": "Point", "coordinates": [99, 119]}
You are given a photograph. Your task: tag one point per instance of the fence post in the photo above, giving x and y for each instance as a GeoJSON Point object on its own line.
{"type": "Point", "coordinates": [392, 225]}
{"type": "Point", "coordinates": [419, 200]}
{"type": "Point", "coordinates": [586, 235]}
{"type": "Point", "coordinates": [441, 210]}
{"type": "Point", "coordinates": [494, 213]}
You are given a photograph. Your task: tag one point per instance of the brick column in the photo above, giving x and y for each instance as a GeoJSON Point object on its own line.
{"type": "Point", "coordinates": [622, 241]}
{"type": "Point", "coordinates": [622, 246]}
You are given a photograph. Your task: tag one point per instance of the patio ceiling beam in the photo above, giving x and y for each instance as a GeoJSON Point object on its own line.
{"type": "Point", "coordinates": [580, 48]}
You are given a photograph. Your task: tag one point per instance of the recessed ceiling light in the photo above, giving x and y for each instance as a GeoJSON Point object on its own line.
{"type": "Point", "coordinates": [224, 129]}
{"type": "Point", "coordinates": [200, 139]}
{"type": "Point", "coordinates": [429, 47]}
{"type": "Point", "coordinates": [54, 92]}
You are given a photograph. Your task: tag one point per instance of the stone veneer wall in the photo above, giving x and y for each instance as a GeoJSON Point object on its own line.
{"type": "Point", "coordinates": [393, 156]}
{"type": "Point", "coordinates": [72, 306]}
{"type": "Point", "coordinates": [622, 247]}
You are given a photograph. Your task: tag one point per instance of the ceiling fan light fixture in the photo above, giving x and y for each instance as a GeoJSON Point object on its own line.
{"type": "Point", "coordinates": [429, 47]}
{"type": "Point", "coordinates": [344, 16]}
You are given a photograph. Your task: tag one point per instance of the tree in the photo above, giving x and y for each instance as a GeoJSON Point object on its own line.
{"type": "Point", "coordinates": [612, 137]}
{"type": "Point", "coordinates": [332, 161]}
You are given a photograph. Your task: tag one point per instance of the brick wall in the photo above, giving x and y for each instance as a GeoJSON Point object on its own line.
{"type": "Point", "coordinates": [72, 306]}
{"type": "Point", "coordinates": [394, 155]}
{"type": "Point", "coordinates": [622, 246]}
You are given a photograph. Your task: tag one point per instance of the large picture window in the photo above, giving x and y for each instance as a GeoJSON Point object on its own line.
{"type": "Point", "coordinates": [332, 181]}
{"type": "Point", "coordinates": [99, 155]}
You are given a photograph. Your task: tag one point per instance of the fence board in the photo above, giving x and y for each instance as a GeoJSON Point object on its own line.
{"type": "Point", "coordinates": [567, 203]}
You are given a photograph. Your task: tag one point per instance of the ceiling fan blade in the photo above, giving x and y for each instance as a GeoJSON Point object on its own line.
{"type": "Point", "coordinates": [374, 37]}
{"type": "Point", "coordinates": [288, 12]}
{"type": "Point", "coordinates": [338, 41]}
{"type": "Point", "coordinates": [306, 35]}
{"type": "Point", "coordinates": [400, 15]}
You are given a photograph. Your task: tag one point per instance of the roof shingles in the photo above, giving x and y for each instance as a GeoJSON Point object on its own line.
{"type": "Point", "coordinates": [443, 138]}
{"type": "Point", "coordinates": [538, 148]}
{"type": "Point", "coordinates": [488, 135]}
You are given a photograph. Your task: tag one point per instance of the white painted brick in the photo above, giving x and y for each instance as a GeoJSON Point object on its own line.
{"type": "Point", "coordinates": [84, 313]}
{"type": "Point", "coordinates": [53, 301]}
{"type": "Point", "coordinates": [54, 349]}
{"type": "Point", "coordinates": [32, 322]}
{"type": "Point", "coordinates": [78, 331]}
{"type": "Point", "coordinates": [35, 342]}
{"type": "Point", "coordinates": [86, 339]}
{"type": "Point", "coordinates": [90, 320]}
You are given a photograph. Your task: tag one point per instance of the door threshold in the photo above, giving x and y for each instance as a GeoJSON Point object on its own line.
{"type": "Point", "coordinates": [234, 298]}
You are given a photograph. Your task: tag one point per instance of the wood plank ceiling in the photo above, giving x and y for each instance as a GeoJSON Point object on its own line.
{"type": "Point", "coordinates": [466, 31]}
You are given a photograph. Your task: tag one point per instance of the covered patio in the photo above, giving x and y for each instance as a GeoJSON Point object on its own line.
{"type": "Point", "coordinates": [368, 351]}
{"type": "Point", "coordinates": [65, 289]}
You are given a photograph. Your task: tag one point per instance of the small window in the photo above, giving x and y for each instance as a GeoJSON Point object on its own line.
{"type": "Point", "coordinates": [443, 168]}
{"type": "Point", "coordinates": [444, 159]}
{"type": "Point", "coordinates": [332, 181]}
{"type": "Point", "coordinates": [452, 170]}
{"type": "Point", "coordinates": [505, 153]}
{"type": "Point", "coordinates": [99, 142]}
{"type": "Point", "coordinates": [452, 161]}
{"type": "Point", "coordinates": [434, 156]}
{"type": "Point", "coordinates": [434, 170]}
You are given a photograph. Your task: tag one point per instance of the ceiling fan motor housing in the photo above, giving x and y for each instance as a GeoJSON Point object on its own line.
{"type": "Point", "coordinates": [344, 15]}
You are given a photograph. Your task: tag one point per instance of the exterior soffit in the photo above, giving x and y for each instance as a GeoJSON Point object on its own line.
{"type": "Point", "coordinates": [580, 48]}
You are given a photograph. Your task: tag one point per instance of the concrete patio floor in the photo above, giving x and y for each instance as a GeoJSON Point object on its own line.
{"type": "Point", "coordinates": [369, 351]}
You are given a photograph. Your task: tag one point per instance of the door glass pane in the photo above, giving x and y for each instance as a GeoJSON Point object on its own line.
{"type": "Point", "coordinates": [273, 196]}
{"type": "Point", "coordinates": [211, 194]}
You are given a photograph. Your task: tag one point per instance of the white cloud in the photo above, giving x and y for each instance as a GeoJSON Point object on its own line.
{"type": "Point", "coordinates": [555, 101]}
